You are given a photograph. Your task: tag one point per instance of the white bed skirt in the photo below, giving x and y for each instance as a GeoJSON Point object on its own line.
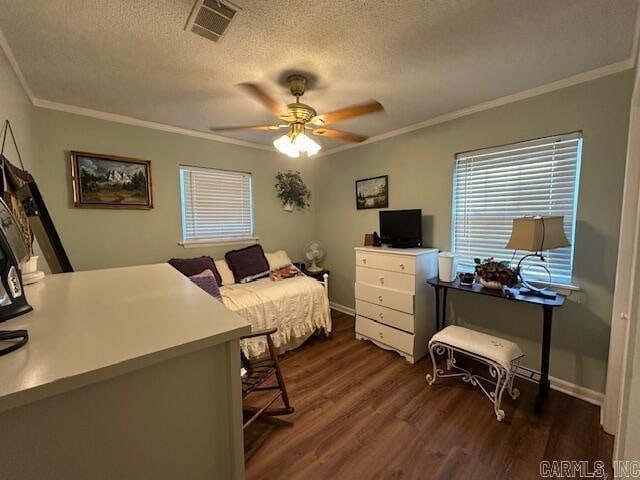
{"type": "Point", "coordinates": [297, 307]}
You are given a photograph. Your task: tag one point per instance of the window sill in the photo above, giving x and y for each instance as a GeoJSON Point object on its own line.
{"type": "Point", "coordinates": [218, 243]}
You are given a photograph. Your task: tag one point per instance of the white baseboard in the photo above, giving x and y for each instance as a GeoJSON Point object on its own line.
{"type": "Point", "coordinates": [568, 388]}
{"type": "Point", "coordinates": [343, 309]}
{"type": "Point", "coordinates": [577, 391]}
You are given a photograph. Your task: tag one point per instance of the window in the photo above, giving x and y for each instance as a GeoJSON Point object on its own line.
{"type": "Point", "coordinates": [216, 205]}
{"type": "Point", "coordinates": [492, 186]}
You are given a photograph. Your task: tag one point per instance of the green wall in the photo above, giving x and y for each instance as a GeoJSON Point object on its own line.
{"type": "Point", "coordinates": [96, 238]}
{"type": "Point", "coordinates": [420, 167]}
{"type": "Point", "coordinates": [99, 238]}
{"type": "Point", "coordinates": [16, 107]}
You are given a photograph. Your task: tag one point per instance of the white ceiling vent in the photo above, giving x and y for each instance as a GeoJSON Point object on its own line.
{"type": "Point", "coordinates": [211, 18]}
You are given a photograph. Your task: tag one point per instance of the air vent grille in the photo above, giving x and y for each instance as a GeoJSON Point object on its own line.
{"type": "Point", "coordinates": [211, 18]}
{"type": "Point", "coordinates": [220, 8]}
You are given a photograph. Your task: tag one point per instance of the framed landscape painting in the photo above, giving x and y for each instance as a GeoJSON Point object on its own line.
{"type": "Point", "coordinates": [372, 192]}
{"type": "Point", "coordinates": [106, 181]}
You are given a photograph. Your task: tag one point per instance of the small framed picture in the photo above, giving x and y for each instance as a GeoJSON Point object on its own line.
{"type": "Point", "coordinates": [372, 192]}
{"type": "Point", "coordinates": [106, 181]}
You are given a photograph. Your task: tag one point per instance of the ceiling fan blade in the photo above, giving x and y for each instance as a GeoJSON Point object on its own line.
{"type": "Point", "coordinates": [348, 112]}
{"type": "Point", "coordinates": [339, 135]}
{"type": "Point", "coordinates": [257, 92]}
{"type": "Point", "coordinates": [248, 127]}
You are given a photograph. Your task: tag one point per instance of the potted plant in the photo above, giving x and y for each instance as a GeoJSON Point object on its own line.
{"type": "Point", "coordinates": [495, 275]}
{"type": "Point", "coordinates": [292, 191]}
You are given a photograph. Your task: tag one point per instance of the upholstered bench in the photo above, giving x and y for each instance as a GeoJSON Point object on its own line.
{"type": "Point", "coordinates": [502, 357]}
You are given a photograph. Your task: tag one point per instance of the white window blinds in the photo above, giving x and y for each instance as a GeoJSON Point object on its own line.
{"type": "Point", "coordinates": [493, 186]}
{"type": "Point", "coordinates": [216, 205]}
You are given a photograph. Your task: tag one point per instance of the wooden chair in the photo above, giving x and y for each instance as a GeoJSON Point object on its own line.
{"type": "Point", "coordinates": [255, 381]}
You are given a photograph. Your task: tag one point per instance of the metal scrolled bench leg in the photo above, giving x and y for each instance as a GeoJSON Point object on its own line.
{"type": "Point", "coordinates": [501, 377]}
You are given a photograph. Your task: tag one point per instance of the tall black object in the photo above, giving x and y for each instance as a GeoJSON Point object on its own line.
{"type": "Point", "coordinates": [43, 228]}
{"type": "Point", "coordinates": [25, 189]}
{"type": "Point", "coordinates": [12, 251]}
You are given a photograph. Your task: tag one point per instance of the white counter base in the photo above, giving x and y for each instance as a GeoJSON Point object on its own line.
{"type": "Point", "coordinates": [168, 421]}
{"type": "Point", "coordinates": [130, 373]}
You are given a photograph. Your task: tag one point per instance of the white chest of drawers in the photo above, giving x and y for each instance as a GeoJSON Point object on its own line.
{"type": "Point", "coordinates": [394, 305]}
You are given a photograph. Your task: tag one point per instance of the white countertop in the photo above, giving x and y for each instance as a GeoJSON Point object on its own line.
{"type": "Point", "coordinates": [397, 251]}
{"type": "Point", "coordinates": [90, 326]}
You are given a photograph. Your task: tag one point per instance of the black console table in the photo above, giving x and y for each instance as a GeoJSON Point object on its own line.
{"type": "Point", "coordinates": [512, 295]}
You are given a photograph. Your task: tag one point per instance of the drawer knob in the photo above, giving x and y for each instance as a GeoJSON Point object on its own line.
{"type": "Point", "coordinates": [380, 298]}
{"type": "Point", "coordinates": [382, 280]}
{"type": "Point", "coordinates": [381, 315]}
{"type": "Point", "coordinates": [381, 335]}
{"type": "Point", "coordinates": [364, 260]}
{"type": "Point", "coordinates": [402, 266]}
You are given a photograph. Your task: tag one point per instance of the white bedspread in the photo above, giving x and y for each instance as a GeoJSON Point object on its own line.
{"type": "Point", "coordinates": [297, 306]}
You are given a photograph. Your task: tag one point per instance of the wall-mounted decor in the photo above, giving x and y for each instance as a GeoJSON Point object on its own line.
{"type": "Point", "coordinates": [106, 181]}
{"type": "Point", "coordinates": [292, 191]}
{"type": "Point", "coordinates": [22, 195]}
{"type": "Point", "coordinates": [372, 192]}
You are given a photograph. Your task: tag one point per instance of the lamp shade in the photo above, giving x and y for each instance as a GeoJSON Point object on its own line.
{"type": "Point", "coordinates": [537, 234]}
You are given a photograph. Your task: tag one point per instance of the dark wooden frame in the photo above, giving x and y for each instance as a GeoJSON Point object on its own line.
{"type": "Point", "coordinates": [257, 380]}
{"type": "Point", "coordinates": [75, 181]}
{"type": "Point", "coordinates": [386, 181]}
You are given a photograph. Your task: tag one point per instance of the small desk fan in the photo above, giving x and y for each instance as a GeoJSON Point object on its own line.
{"type": "Point", "coordinates": [314, 252]}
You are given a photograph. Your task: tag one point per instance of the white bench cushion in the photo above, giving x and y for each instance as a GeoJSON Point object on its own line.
{"type": "Point", "coordinates": [501, 351]}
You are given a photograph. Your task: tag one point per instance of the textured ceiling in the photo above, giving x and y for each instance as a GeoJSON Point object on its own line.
{"type": "Point", "coordinates": [420, 59]}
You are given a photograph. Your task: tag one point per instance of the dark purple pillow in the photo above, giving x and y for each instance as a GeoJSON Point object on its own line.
{"type": "Point", "coordinates": [207, 282]}
{"type": "Point", "coordinates": [193, 266]}
{"type": "Point", "coordinates": [247, 264]}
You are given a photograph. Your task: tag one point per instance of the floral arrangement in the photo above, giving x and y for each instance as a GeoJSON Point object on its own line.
{"type": "Point", "coordinates": [492, 271]}
{"type": "Point", "coordinates": [292, 190]}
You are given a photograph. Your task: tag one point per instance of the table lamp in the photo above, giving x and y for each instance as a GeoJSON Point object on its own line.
{"type": "Point", "coordinates": [536, 234]}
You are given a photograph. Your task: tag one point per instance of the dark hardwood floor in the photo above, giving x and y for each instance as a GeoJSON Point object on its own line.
{"type": "Point", "coordinates": [363, 413]}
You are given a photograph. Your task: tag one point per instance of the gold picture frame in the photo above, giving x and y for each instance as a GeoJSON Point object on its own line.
{"type": "Point", "coordinates": [109, 181]}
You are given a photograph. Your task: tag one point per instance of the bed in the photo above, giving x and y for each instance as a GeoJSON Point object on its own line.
{"type": "Point", "coordinates": [297, 307]}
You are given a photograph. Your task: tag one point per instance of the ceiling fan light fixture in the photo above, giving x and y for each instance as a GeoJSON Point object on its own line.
{"type": "Point", "coordinates": [296, 142]}
{"type": "Point", "coordinates": [284, 145]}
{"type": "Point", "coordinates": [299, 117]}
{"type": "Point", "coordinates": [305, 144]}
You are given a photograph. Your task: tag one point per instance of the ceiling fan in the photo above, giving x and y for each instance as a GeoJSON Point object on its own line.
{"type": "Point", "coordinates": [300, 118]}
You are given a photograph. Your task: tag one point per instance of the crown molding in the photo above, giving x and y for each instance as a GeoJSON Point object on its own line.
{"type": "Point", "coordinates": [4, 44]}
{"type": "Point", "coordinates": [498, 102]}
{"type": "Point", "coordinates": [533, 92]}
{"type": "Point", "coordinates": [113, 117]}
{"type": "Point", "coordinates": [549, 87]}
{"type": "Point", "coordinates": [636, 39]}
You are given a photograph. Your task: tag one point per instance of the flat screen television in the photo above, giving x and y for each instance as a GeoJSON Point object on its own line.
{"type": "Point", "coordinates": [401, 228]}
